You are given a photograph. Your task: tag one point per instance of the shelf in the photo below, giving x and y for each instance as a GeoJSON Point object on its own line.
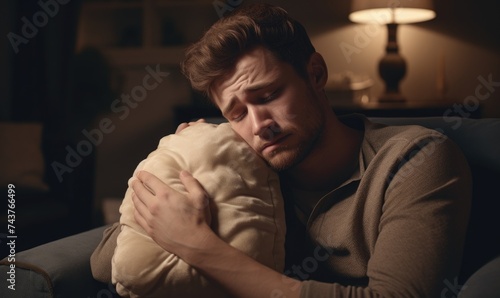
{"type": "Point", "coordinates": [112, 5]}
{"type": "Point", "coordinates": [119, 4]}
{"type": "Point", "coordinates": [107, 24]}
{"type": "Point", "coordinates": [144, 55]}
{"type": "Point", "coordinates": [185, 3]}
{"type": "Point", "coordinates": [143, 23]}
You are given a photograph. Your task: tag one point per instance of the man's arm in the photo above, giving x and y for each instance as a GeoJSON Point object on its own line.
{"type": "Point", "coordinates": [238, 274]}
{"type": "Point", "coordinates": [100, 261]}
{"type": "Point", "coordinates": [418, 248]}
{"type": "Point", "coordinates": [421, 232]}
{"type": "Point", "coordinates": [179, 225]}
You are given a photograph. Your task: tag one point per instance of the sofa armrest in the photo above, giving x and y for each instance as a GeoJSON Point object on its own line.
{"type": "Point", "coordinates": [57, 269]}
{"type": "Point", "coordinates": [484, 282]}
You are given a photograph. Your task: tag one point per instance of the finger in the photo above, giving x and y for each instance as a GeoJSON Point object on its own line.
{"type": "Point", "coordinates": [136, 183]}
{"type": "Point", "coordinates": [197, 195]}
{"type": "Point", "coordinates": [196, 122]}
{"type": "Point", "coordinates": [152, 182]}
{"type": "Point", "coordinates": [139, 206]}
{"type": "Point", "coordinates": [185, 125]}
{"type": "Point", "coordinates": [141, 212]}
{"type": "Point", "coordinates": [196, 192]}
{"type": "Point", "coordinates": [181, 127]}
{"type": "Point", "coordinates": [140, 193]}
{"type": "Point", "coordinates": [145, 186]}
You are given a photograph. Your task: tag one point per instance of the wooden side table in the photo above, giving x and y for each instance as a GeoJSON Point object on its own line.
{"type": "Point", "coordinates": [438, 108]}
{"type": "Point", "coordinates": [186, 113]}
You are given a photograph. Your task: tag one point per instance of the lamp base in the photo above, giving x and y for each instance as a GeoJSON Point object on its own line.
{"type": "Point", "coordinates": [391, 97]}
{"type": "Point", "coordinates": [392, 68]}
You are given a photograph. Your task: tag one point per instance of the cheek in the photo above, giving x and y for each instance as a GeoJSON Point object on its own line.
{"type": "Point", "coordinates": [287, 109]}
{"type": "Point", "coordinates": [300, 95]}
{"type": "Point", "coordinates": [291, 115]}
{"type": "Point", "coordinates": [285, 118]}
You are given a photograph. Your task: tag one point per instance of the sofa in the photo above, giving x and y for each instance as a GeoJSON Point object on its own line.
{"type": "Point", "coordinates": [62, 269]}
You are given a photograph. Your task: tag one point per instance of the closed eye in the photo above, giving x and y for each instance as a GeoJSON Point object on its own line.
{"type": "Point", "coordinates": [238, 115]}
{"type": "Point", "coordinates": [272, 96]}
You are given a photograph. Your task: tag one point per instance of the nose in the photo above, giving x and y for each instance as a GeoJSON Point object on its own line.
{"type": "Point", "coordinates": [263, 124]}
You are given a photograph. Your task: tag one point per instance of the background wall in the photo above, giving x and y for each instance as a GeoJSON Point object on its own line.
{"type": "Point", "coordinates": [5, 55]}
{"type": "Point", "coordinates": [138, 133]}
{"type": "Point", "coordinates": [464, 38]}
{"type": "Point", "coordinates": [427, 52]}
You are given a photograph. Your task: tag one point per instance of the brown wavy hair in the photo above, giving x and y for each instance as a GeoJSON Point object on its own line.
{"type": "Point", "coordinates": [245, 28]}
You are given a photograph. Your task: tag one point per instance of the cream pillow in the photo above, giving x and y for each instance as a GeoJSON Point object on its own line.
{"type": "Point", "coordinates": [249, 212]}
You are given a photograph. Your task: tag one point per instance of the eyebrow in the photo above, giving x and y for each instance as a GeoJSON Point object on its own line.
{"type": "Point", "coordinates": [229, 107]}
{"type": "Point", "coordinates": [254, 88]}
{"type": "Point", "coordinates": [258, 87]}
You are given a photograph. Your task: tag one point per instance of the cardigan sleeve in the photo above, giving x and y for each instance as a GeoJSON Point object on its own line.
{"type": "Point", "coordinates": [100, 260]}
{"type": "Point", "coordinates": [422, 228]}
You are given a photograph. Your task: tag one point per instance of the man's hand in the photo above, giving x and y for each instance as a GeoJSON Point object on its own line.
{"type": "Point", "coordinates": [177, 222]}
{"type": "Point", "coordinates": [185, 124]}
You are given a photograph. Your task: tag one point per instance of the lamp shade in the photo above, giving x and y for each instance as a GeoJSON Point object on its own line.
{"type": "Point", "coordinates": [391, 11]}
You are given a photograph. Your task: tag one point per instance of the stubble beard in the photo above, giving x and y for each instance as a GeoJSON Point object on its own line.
{"type": "Point", "coordinates": [288, 156]}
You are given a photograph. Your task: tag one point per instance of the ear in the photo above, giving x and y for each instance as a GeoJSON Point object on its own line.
{"type": "Point", "coordinates": [318, 72]}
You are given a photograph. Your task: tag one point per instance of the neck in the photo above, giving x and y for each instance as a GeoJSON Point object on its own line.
{"type": "Point", "coordinates": [332, 161]}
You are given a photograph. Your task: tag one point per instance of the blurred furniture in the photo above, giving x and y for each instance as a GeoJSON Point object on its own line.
{"type": "Point", "coordinates": [51, 198]}
{"type": "Point", "coordinates": [143, 32]}
{"type": "Point", "coordinates": [428, 108]}
{"type": "Point", "coordinates": [437, 108]}
{"type": "Point", "coordinates": [62, 268]}
{"type": "Point", "coordinates": [37, 115]}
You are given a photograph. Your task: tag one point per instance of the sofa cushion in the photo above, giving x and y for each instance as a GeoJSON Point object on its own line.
{"type": "Point", "coordinates": [484, 282]}
{"type": "Point", "coordinates": [248, 212]}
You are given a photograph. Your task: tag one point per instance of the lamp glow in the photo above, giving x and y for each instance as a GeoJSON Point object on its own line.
{"type": "Point", "coordinates": [385, 15]}
{"type": "Point", "coordinates": [392, 66]}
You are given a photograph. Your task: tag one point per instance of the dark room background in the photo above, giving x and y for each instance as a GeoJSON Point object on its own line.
{"type": "Point", "coordinates": [63, 72]}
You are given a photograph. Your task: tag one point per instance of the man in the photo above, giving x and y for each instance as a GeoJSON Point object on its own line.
{"type": "Point", "coordinates": [373, 211]}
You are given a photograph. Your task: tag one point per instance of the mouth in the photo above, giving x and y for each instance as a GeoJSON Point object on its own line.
{"type": "Point", "coordinates": [273, 145]}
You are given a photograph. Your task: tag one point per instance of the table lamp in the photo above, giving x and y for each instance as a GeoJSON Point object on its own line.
{"type": "Point", "coordinates": [392, 67]}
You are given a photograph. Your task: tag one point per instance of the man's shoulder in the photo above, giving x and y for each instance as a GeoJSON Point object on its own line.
{"type": "Point", "coordinates": [383, 132]}
{"type": "Point", "coordinates": [390, 144]}
{"type": "Point", "coordinates": [381, 136]}
{"type": "Point", "coordinates": [398, 152]}
{"type": "Point", "coordinates": [376, 131]}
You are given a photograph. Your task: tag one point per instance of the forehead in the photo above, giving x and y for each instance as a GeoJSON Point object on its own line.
{"type": "Point", "coordinates": [252, 69]}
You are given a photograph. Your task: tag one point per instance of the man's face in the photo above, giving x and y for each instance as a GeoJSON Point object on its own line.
{"type": "Point", "coordinates": [271, 107]}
